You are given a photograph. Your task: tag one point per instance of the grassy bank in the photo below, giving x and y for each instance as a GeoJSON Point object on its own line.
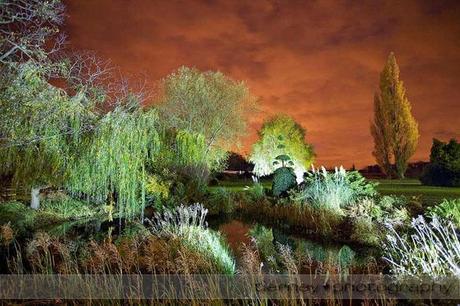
{"type": "Point", "coordinates": [428, 195]}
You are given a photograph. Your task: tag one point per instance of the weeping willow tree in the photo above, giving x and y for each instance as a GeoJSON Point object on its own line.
{"type": "Point", "coordinates": [48, 138]}
{"type": "Point", "coordinates": [112, 165]}
{"type": "Point", "coordinates": [40, 128]}
{"type": "Point", "coordinates": [182, 155]}
{"type": "Point", "coordinates": [190, 149]}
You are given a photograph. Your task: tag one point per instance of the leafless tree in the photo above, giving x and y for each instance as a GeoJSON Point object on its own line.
{"type": "Point", "coordinates": [101, 80]}
{"type": "Point", "coordinates": [29, 29]}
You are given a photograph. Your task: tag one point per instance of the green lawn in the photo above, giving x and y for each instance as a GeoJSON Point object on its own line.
{"type": "Point", "coordinates": [413, 188]}
{"type": "Point", "coordinates": [408, 187]}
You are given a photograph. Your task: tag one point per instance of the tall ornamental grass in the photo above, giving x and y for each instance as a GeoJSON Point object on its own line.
{"type": "Point", "coordinates": [333, 190]}
{"type": "Point", "coordinates": [432, 250]}
{"type": "Point", "coordinates": [189, 225]}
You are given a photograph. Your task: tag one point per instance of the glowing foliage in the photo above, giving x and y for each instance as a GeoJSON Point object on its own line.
{"type": "Point", "coordinates": [281, 129]}
{"type": "Point", "coordinates": [190, 149]}
{"type": "Point", "coordinates": [156, 186]}
{"type": "Point", "coordinates": [394, 129]}
{"type": "Point", "coordinates": [333, 190]}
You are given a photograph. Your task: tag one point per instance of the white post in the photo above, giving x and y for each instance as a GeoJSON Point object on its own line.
{"type": "Point", "coordinates": [35, 198]}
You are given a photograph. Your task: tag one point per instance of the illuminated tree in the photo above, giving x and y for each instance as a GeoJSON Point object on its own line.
{"type": "Point", "coordinates": [285, 131]}
{"type": "Point", "coordinates": [394, 129]}
{"type": "Point", "coordinates": [206, 103]}
{"type": "Point", "coordinates": [111, 163]}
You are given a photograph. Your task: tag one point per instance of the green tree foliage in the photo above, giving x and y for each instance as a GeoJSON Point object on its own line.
{"type": "Point", "coordinates": [49, 138]}
{"type": "Point", "coordinates": [394, 129]}
{"type": "Point", "coordinates": [40, 127]}
{"type": "Point", "coordinates": [274, 131]}
{"type": "Point", "coordinates": [181, 158]}
{"type": "Point", "coordinates": [206, 103]}
{"type": "Point", "coordinates": [444, 167]}
{"type": "Point", "coordinates": [112, 162]}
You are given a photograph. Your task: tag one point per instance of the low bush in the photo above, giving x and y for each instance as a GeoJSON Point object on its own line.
{"type": "Point", "coordinates": [68, 208]}
{"type": "Point", "coordinates": [447, 209]}
{"type": "Point", "coordinates": [220, 201]}
{"type": "Point", "coordinates": [369, 217]}
{"type": "Point", "coordinates": [387, 210]}
{"type": "Point", "coordinates": [256, 192]}
{"type": "Point", "coordinates": [432, 249]}
{"type": "Point", "coordinates": [366, 232]}
{"type": "Point", "coordinates": [23, 219]}
{"type": "Point", "coordinates": [299, 218]}
{"type": "Point", "coordinates": [157, 190]}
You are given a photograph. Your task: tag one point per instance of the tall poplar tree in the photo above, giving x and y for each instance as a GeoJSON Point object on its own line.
{"type": "Point", "coordinates": [394, 129]}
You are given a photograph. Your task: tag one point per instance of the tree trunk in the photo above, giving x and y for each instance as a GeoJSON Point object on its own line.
{"type": "Point", "coordinates": [35, 198]}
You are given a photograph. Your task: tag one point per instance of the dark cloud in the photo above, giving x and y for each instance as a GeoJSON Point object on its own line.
{"type": "Point", "coordinates": [318, 61]}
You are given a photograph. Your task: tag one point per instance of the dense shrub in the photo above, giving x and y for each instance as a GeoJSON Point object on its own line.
{"type": "Point", "coordinates": [284, 179]}
{"type": "Point", "coordinates": [387, 210]}
{"type": "Point", "coordinates": [447, 209]}
{"type": "Point", "coordinates": [369, 217]}
{"type": "Point", "coordinates": [256, 192]}
{"type": "Point", "coordinates": [157, 190]}
{"type": "Point", "coordinates": [304, 219]}
{"type": "Point", "coordinates": [433, 249]}
{"type": "Point", "coordinates": [444, 167]}
{"type": "Point", "coordinates": [220, 201]}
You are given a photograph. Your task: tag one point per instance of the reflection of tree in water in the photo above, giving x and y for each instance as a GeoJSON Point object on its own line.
{"type": "Point", "coordinates": [268, 241]}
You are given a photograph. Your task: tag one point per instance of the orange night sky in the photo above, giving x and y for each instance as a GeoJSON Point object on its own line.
{"type": "Point", "coordinates": [318, 61]}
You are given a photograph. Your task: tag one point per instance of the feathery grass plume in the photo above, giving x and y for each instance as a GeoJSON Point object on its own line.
{"type": "Point", "coordinates": [6, 234]}
{"type": "Point", "coordinates": [433, 249]}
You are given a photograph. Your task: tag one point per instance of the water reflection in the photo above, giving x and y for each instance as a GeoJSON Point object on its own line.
{"type": "Point", "coordinates": [270, 241]}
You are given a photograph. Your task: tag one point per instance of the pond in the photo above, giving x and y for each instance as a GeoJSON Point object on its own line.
{"type": "Point", "coordinates": [271, 241]}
